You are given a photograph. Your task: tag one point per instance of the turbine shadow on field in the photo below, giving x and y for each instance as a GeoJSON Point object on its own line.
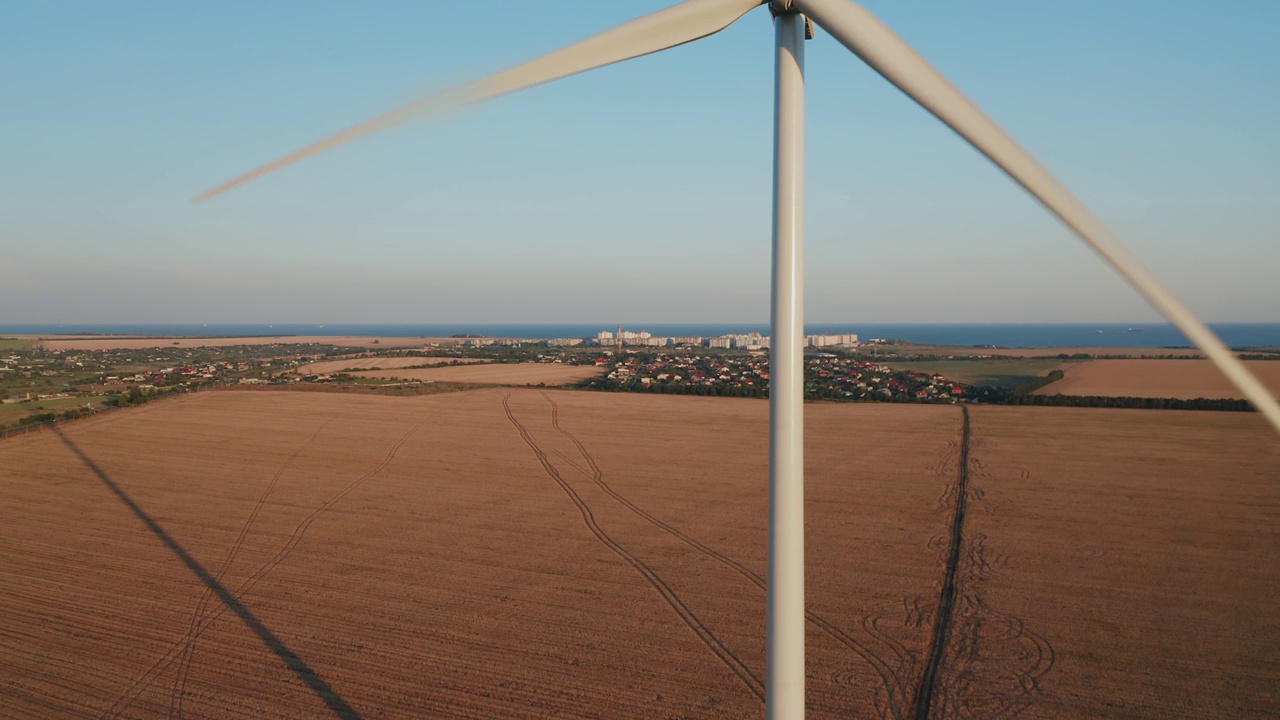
{"type": "Point", "coordinates": [300, 668]}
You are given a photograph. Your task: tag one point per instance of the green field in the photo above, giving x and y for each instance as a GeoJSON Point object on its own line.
{"type": "Point", "coordinates": [8, 343]}
{"type": "Point", "coordinates": [11, 413]}
{"type": "Point", "coordinates": [994, 372]}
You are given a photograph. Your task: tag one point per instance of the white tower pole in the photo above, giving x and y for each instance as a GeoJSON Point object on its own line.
{"type": "Point", "coordinates": [784, 663]}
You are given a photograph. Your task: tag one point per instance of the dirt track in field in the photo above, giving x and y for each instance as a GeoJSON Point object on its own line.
{"type": "Point", "coordinates": [924, 698]}
{"type": "Point", "coordinates": [495, 374]}
{"type": "Point", "coordinates": [541, 554]}
{"type": "Point", "coordinates": [704, 633]}
{"type": "Point", "coordinates": [1184, 379]}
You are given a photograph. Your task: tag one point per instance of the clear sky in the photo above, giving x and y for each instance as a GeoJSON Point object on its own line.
{"type": "Point", "coordinates": [634, 193]}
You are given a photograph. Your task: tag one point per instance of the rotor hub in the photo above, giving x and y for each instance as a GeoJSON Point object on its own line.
{"type": "Point", "coordinates": [787, 7]}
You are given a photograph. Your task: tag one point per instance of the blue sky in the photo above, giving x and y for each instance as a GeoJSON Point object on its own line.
{"type": "Point", "coordinates": [635, 193]}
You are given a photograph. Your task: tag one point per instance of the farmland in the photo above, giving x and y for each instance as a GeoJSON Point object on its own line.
{"type": "Point", "coordinates": [1184, 379]}
{"type": "Point", "coordinates": [497, 374]}
{"type": "Point", "coordinates": [1155, 575]}
{"type": "Point", "coordinates": [115, 342]}
{"type": "Point", "coordinates": [380, 363]}
{"type": "Point", "coordinates": [994, 372]}
{"type": "Point", "coordinates": [521, 553]}
{"type": "Point", "coordinates": [16, 343]}
{"type": "Point", "coordinates": [11, 412]}
{"type": "Point", "coordinates": [909, 350]}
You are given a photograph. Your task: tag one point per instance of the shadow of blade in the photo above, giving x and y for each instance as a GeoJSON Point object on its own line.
{"type": "Point", "coordinates": [299, 666]}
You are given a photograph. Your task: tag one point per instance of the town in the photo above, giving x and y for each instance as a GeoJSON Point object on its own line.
{"type": "Point", "coordinates": [828, 376]}
{"type": "Point", "coordinates": [643, 338]}
{"type": "Point", "coordinates": [38, 385]}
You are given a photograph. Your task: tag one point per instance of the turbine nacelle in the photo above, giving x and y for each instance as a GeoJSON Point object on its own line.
{"type": "Point", "coordinates": [782, 7]}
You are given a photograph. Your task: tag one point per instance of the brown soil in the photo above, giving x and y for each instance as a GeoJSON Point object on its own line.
{"type": "Point", "coordinates": [391, 388]}
{"type": "Point", "coordinates": [521, 553]}
{"type": "Point", "coordinates": [496, 374]}
{"type": "Point", "coordinates": [960, 351]}
{"type": "Point", "coordinates": [112, 343]}
{"type": "Point", "coordinates": [1185, 379]}
{"type": "Point", "coordinates": [416, 557]}
{"type": "Point", "coordinates": [1127, 559]}
{"type": "Point", "coordinates": [332, 366]}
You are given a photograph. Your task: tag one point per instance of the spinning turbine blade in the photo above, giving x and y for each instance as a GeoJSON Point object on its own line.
{"type": "Point", "coordinates": [676, 25]}
{"type": "Point", "coordinates": [857, 29]}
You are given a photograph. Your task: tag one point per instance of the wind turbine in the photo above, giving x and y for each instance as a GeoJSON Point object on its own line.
{"type": "Point", "coordinates": [859, 31]}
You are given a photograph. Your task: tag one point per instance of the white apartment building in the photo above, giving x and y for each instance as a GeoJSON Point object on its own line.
{"type": "Point", "coordinates": [830, 340]}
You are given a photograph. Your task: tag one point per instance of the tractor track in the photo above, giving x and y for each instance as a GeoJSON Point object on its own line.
{"type": "Point", "coordinates": [892, 683]}
{"type": "Point", "coordinates": [174, 652]}
{"type": "Point", "coordinates": [201, 611]}
{"type": "Point", "coordinates": [982, 664]}
{"type": "Point", "coordinates": [669, 596]}
{"type": "Point", "coordinates": [994, 662]}
{"type": "Point", "coordinates": [946, 599]}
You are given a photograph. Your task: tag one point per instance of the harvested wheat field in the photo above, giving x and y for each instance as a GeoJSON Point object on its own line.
{"type": "Point", "coordinates": [540, 554]}
{"type": "Point", "coordinates": [237, 554]}
{"type": "Point", "coordinates": [494, 374]}
{"type": "Point", "coordinates": [1184, 379]}
{"type": "Point", "coordinates": [382, 363]}
{"type": "Point", "coordinates": [109, 342]}
{"type": "Point", "coordinates": [1043, 352]}
{"type": "Point", "coordinates": [1129, 556]}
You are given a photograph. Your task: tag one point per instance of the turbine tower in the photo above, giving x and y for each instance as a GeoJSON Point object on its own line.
{"type": "Point", "coordinates": [859, 31]}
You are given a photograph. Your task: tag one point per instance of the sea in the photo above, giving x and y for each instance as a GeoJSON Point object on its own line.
{"type": "Point", "coordinates": [1006, 335]}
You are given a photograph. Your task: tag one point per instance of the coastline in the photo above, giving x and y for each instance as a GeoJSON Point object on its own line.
{"type": "Point", "coordinates": [1007, 338]}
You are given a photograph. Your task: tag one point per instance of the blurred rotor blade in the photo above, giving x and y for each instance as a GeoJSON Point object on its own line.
{"type": "Point", "coordinates": [676, 25]}
{"type": "Point", "coordinates": [857, 29]}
